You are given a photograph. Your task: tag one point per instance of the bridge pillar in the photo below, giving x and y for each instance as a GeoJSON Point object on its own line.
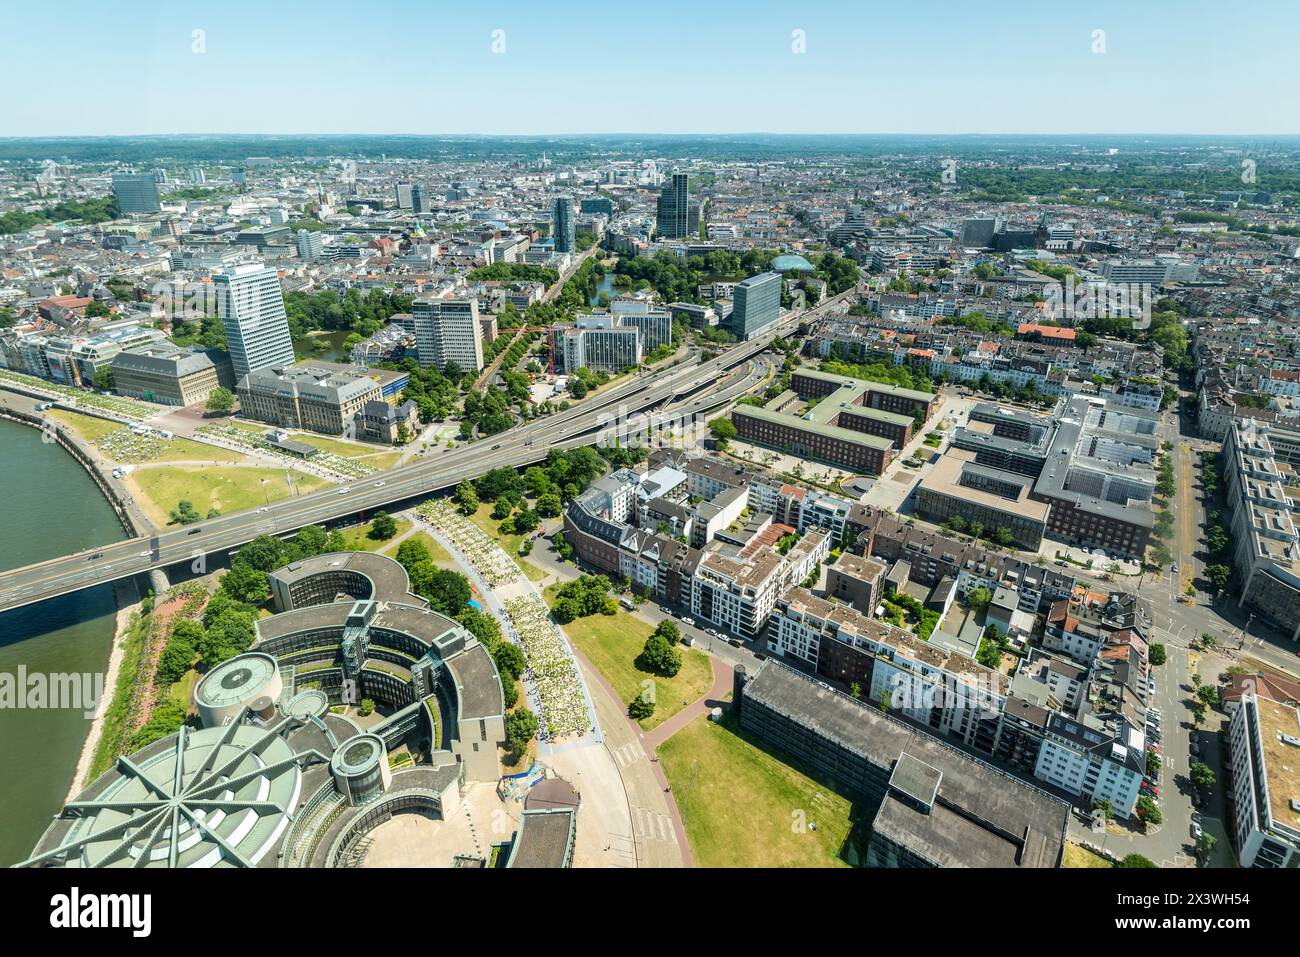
{"type": "Point", "coordinates": [158, 581]}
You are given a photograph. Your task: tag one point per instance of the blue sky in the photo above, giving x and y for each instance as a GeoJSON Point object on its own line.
{"type": "Point", "coordinates": [720, 66]}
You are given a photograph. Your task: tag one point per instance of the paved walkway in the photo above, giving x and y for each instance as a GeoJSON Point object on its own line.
{"type": "Point", "coordinates": [723, 677]}
{"type": "Point", "coordinates": [650, 801]}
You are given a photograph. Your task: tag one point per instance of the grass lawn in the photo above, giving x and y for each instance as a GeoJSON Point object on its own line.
{"type": "Point", "coordinates": [227, 489]}
{"type": "Point", "coordinates": [381, 456]}
{"type": "Point", "coordinates": [1078, 856]}
{"type": "Point", "coordinates": [108, 437]}
{"type": "Point", "coordinates": [612, 643]}
{"type": "Point", "coordinates": [439, 554]}
{"type": "Point", "coordinates": [484, 520]}
{"type": "Point", "coordinates": [741, 807]}
{"type": "Point", "coordinates": [359, 540]}
{"type": "Point", "coordinates": [182, 692]}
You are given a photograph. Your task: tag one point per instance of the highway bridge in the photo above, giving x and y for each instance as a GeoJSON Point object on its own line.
{"type": "Point", "coordinates": [686, 387]}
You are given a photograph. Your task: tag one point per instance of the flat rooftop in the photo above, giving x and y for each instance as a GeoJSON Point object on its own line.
{"type": "Point", "coordinates": [944, 480]}
{"type": "Point", "coordinates": [1281, 760]}
{"type": "Point", "coordinates": [981, 817]}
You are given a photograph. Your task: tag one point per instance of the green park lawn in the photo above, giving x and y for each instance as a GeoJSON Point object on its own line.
{"type": "Point", "coordinates": [107, 436]}
{"type": "Point", "coordinates": [359, 540]}
{"type": "Point", "coordinates": [439, 554]}
{"type": "Point", "coordinates": [613, 642]}
{"type": "Point", "coordinates": [742, 807]}
{"type": "Point", "coordinates": [225, 488]}
{"type": "Point", "coordinates": [1077, 856]}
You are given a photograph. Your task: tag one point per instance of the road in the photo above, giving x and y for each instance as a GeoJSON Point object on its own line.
{"type": "Point", "coordinates": [673, 387]}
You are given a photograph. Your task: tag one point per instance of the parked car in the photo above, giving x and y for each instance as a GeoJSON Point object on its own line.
{"type": "Point", "coordinates": [688, 621]}
{"type": "Point", "coordinates": [1196, 831]}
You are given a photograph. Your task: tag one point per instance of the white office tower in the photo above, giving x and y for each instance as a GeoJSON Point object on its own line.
{"type": "Point", "coordinates": [251, 307]}
{"type": "Point", "coordinates": [447, 330]}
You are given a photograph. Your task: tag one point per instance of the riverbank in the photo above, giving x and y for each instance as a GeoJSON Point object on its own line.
{"type": "Point", "coordinates": [20, 408]}
{"type": "Point", "coordinates": [126, 594]}
{"type": "Point", "coordinates": [129, 604]}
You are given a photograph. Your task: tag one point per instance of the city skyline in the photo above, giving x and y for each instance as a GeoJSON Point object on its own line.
{"type": "Point", "coordinates": [839, 68]}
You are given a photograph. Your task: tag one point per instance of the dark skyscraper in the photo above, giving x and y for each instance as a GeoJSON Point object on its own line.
{"type": "Point", "coordinates": [136, 193]}
{"type": "Point", "coordinates": [562, 225]}
{"type": "Point", "coordinates": [673, 213]}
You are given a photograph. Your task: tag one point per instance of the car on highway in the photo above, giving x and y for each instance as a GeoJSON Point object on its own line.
{"type": "Point", "coordinates": [495, 447]}
{"type": "Point", "coordinates": [380, 484]}
{"type": "Point", "coordinates": [96, 555]}
{"type": "Point", "coordinates": [344, 491]}
{"type": "Point", "coordinates": [194, 531]}
{"type": "Point", "coordinates": [144, 554]}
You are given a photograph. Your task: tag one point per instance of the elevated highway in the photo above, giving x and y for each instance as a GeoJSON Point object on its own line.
{"type": "Point", "coordinates": [687, 387]}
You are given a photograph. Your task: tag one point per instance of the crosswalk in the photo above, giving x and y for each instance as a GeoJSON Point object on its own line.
{"type": "Point", "coordinates": [652, 826]}
{"type": "Point", "coordinates": [627, 755]}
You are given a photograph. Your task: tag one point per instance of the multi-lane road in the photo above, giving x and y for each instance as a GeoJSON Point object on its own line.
{"type": "Point", "coordinates": [686, 387]}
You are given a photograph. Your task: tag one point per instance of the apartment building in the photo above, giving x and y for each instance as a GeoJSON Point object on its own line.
{"type": "Point", "coordinates": [1264, 748]}
{"type": "Point", "coordinates": [448, 330]}
{"type": "Point", "coordinates": [1259, 463]}
{"type": "Point", "coordinates": [930, 804]}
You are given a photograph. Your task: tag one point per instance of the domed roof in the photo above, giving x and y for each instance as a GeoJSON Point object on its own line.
{"type": "Point", "coordinates": [791, 263]}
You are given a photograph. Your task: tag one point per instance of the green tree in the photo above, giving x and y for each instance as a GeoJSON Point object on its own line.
{"type": "Point", "coordinates": [245, 583]}
{"type": "Point", "coordinates": [510, 660]}
{"type": "Point", "coordinates": [549, 505]}
{"type": "Point", "coordinates": [220, 401]}
{"type": "Point", "coordinates": [1158, 654]}
{"type": "Point", "coordinates": [382, 526]}
{"type": "Point", "coordinates": [466, 497]}
{"type": "Point", "coordinates": [103, 379]}
{"type": "Point", "coordinates": [1148, 811]}
{"type": "Point", "coordinates": [979, 598]}
{"type": "Point", "coordinates": [1218, 576]}
{"type": "Point", "coordinates": [184, 513]}
{"type": "Point", "coordinates": [722, 430]}
{"type": "Point", "coordinates": [521, 725]}
{"type": "Point", "coordinates": [448, 592]}
{"type": "Point", "coordinates": [668, 630]}
{"type": "Point", "coordinates": [640, 707]}
{"type": "Point", "coordinates": [660, 657]}
{"type": "Point", "coordinates": [1135, 860]}
{"type": "Point", "coordinates": [1202, 775]}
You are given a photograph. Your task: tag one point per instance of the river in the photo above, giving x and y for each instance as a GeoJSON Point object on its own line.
{"type": "Point", "coordinates": [49, 506]}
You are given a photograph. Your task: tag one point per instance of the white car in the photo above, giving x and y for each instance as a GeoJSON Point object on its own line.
{"type": "Point", "coordinates": [380, 484]}
{"type": "Point", "coordinates": [144, 554]}
{"type": "Point", "coordinates": [344, 491]}
{"type": "Point", "coordinates": [688, 621]}
{"type": "Point", "coordinates": [1196, 831]}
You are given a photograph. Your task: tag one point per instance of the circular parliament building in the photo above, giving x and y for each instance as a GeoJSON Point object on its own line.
{"type": "Point", "coordinates": [276, 776]}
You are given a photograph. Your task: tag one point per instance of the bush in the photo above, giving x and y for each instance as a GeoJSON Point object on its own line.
{"type": "Point", "coordinates": [660, 657]}
{"type": "Point", "coordinates": [640, 708]}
